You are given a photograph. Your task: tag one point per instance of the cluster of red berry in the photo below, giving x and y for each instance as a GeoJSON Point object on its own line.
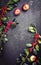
{"type": "Point", "coordinates": [7, 27]}
{"type": "Point", "coordinates": [36, 37]}
{"type": "Point", "coordinates": [3, 11]}
{"type": "Point", "coordinates": [30, 54]}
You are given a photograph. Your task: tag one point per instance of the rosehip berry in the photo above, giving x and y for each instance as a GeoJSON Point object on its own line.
{"type": "Point", "coordinates": [33, 58]}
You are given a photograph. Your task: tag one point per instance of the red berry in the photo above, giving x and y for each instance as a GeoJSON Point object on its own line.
{"type": "Point", "coordinates": [33, 58]}
{"type": "Point", "coordinates": [4, 8]}
{"type": "Point", "coordinates": [34, 44]}
{"type": "Point", "coordinates": [30, 49]}
{"type": "Point", "coordinates": [0, 23]}
{"type": "Point", "coordinates": [37, 36]}
{"type": "Point", "coordinates": [10, 22]}
{"type": "Point", "coordinates": [7, 27]}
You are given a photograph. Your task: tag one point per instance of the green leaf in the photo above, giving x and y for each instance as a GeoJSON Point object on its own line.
{"type": "Point", "coordinates": [26, 51]}
{"type": "Point", "coordinates": [29, 45]}
{"type": "Point", "coordinates": [0, 33]}
{"type": "Point", "coordinates": [15, 1]}
{"type": "Point", "coordinates": [35, 51]}
{"type": "Point", "coordinates": [40, 36]}
{"type": "Point", "coordinates": [31, 29]}
{"type": "Point", "coordinates": [39, 41]}
{"type": "Point", "coordinates": [4, 18]}
{"type": "Point", "coordinates": [1, 28]}
{"type": "Point", "coordinates": [10, 2]}
{"type": "Point", "coordinates": [9, 8]}
{"type": "Point", "coordinates": [37, 47]}
{"type": "Point", "coordinates": [23, 59]}
{"type": "Point", "coordinates": [4, 40]}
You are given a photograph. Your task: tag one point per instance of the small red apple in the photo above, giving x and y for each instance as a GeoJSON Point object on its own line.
{"type": "Point", "coordinates": [33, 58]}
{"type": "Point", "coordinates": [17, 11]}
{"type": "Point", "coordinates": [25, 7]}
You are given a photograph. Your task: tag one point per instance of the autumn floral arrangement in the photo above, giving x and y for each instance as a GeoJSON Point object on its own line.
{"type": "Point", "coordinates": [30, 55]}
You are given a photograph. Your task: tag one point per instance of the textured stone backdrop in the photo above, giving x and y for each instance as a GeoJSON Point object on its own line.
{"type": "Point", "coordinates": [19, 36]}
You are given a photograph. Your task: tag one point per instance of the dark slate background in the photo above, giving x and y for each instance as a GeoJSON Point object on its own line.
{"type": "Point", "coordinates": [19, 36]}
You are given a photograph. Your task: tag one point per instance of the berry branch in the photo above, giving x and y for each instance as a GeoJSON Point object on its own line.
{"type": "Point", "coordinates": [4, 26]}
{"type": "Point", "coordinates": [31, 52]}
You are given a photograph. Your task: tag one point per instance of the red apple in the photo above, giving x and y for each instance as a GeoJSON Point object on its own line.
{"type": "Point", "coordinates": [17, 11]}
{"type": "Point", "coordinates": [33, 58]}
{"type": "Point", "coordinates": [25, 7]}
